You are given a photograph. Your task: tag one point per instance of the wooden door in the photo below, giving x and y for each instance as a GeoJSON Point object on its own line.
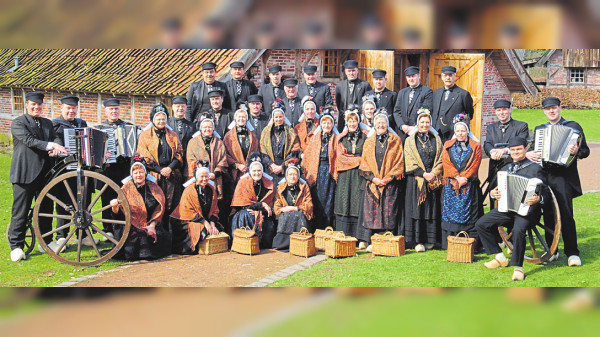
{"type": "Point", "coordinates": [369, 60]}
{"type": "Point", "coordinates": [469, 76]}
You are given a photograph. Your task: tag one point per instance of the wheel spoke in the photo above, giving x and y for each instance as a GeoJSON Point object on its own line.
{"type": "Point", "coordinates": [66, 240]}
{"type": "Point", "coordinates": [87, 230]}
{"type": "Point", "coordinates": [70, 194]}
{"type": "Point", "coordinates": [58, 229]}
{"type": "Point", "coordinates": [56, 216]}
{"type": "Point", "coordinates": [546, 228]}
{"type": "Point", "coordinates": [531, 244]}
{"type": "Point", "coordinates": [101, 210]}
{"type": "Point", "coordinates": [118, 222]}
{"type": "Point", "coordinates": [94, 227]}
{"type": "Point", "coordinates": [53, 198]}
{"type": "Point", "coordinates": [541, 239]}
{"type": "Point", "coordinates": [80, 232]}
{"type": "Point", "coordinates": [97, 197]}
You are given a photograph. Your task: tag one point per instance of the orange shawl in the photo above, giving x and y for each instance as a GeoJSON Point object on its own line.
{"type": "Point", "coordinates": [391, 168]}
{"type": "Point", "coordinates": [217, 158]}
{"type": "Point", "coordinates": [304, 201]}
{"type": "Point", "coordinates": [137, 207]}
{"type": "Point", "coordinates": [292, 143]}
{"type": "Point", "coordinates": [189, 209]}
{"type": "Point", "coordinates": [244, 195]}
{"type": "Point", "coordinates": [471, 169]}
{"type": "Point", "coordinates": [312, 154]}
{"type": "Point", "coordinates": [303, 135]}
{"type": "Point", "coordinates": [148, 147]}
{"type": "Point", "coordinates": [234, 151]}
{"type": "Point", "coordinates": [343, 160]}
{"type": "Point", "coordinates": [413, 161]}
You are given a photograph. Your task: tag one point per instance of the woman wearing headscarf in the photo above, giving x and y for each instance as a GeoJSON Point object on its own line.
{"type": "Point", "coordinates": [162, 150]}
{"type": "Point", "coordinates": [369, 107]}
{"type": "Point", "coordinates": [382, 166]}
{"type": "Point", "coordinates": [240, 141]}
{"type": "Point", "coordinates": [293, 207]}
{"type": "Point", "coordinates": [279, 145]}
{"type": "Point", "coordinates": [318, 161]}
{"type": "Point", "coordinates": [462, 200]}
{"type": "Point", "coordinates": [253, 202]}
{"type": "Point", "coordinates": [423, 156]}
{"type": "Point", "coordinates": [197, 215]}
{"type": "Point", "coordinates": [308, 122]}
{"type": "Point", "coordinates": [147, 238]}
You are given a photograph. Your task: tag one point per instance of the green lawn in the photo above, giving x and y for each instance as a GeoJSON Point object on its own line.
{"type": "Point", "coordinates": [588, 119]}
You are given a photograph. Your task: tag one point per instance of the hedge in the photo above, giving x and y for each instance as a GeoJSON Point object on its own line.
{"type": "Point", "coordinates": [571, 98]}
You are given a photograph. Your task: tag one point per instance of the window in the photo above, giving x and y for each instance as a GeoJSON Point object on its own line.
{"type": "Point", "coordinates": [331, 63]}
{"type": "Point", "coordinates": [577, 75]}
{"type": "Point", "coordinates": [17, 101]}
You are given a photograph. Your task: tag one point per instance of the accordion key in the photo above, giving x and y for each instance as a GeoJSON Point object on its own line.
{"type": "Point", "coordinates": [553, 142]}
{"type": "Point", "coordinates": [514, 190]}
{"type": "Point", "coordinates": [92, 145]}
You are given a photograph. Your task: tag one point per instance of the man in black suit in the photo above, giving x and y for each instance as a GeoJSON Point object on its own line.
{"type": "Point", "coordinates": [222, 117]}
{"type": "Point", "coordinates": [384, 97]}
{"type": "Point", "coordinates": [319, 91]}
{"type": "Point", "coordinates": [349, 91]}
{"type": "Point", "coordinates": [448, 102]}
{"type": "Point", "coordinates": [272, 90]}
{"type": "Point", "coordinates": [34, 140]}
{"type": "Point", "coordinates": [197, 96]}
{"type": "Point", "coordinates": [238, 87]}
{"type": "Point", "coordinates": [564, 181]}
{"type": "Point", "coordinates": [184, 128]}
{"type": "Point", "coordinates": [293, 103]}
{"type": "Point", "coordinates": [410, 100]}
{"type": "Point", "coordinates": [487, 226]}
{"type": "Point", "coordinates": [256, 116]}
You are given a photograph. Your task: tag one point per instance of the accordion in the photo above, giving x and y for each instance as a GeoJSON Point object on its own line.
{"type": "Point", "coordinates": [122, 141]}
{"type": "Point", "coordinates": [553, 142]}
{"type": "Point", "coordinates": [514, 190]}
{"type": "Point", "coordinates": [92, 146]}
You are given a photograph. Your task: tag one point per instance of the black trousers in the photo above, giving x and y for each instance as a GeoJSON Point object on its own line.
{"type": "Point", "coordinates": [568, 230]}
{"type": "Point", "coordinates": [487, 228]}
{"type": "Point", "coordinates": [23, 195]}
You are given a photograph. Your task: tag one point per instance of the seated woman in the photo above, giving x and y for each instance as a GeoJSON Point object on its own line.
{"type": "Point", "coordinates": [240, 141]}
{"type": "Point", "coordinates": [308, 122]}
{"type": "Point", "coordinates": [462, 202]}
{"type": "Point", "coordinates": [253, 201]}
{"type": "Point", "coordinates": [147, 239]}
{"type": "Point", "coordinates": [197, 215]}
{"type": "Point", "coordinates": [279, 145]}
{"type": "Point", "coordinates": [293, 207]}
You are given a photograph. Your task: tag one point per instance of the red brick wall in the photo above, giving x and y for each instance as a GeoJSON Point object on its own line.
{"type": "Point", "coordinates": [557, 75]}
{"type": "Point", "coordinates": [493, 88]}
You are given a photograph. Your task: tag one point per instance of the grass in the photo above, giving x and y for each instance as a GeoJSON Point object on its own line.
{"type": "Point", "coordinates": [586, 118]}
{"type": "Point", "coordinates": [431, 268]}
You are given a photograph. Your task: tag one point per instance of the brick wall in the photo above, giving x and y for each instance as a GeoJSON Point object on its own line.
{"type": "Point", "coordinates": [493, 88]}
{"type": "Point", "coordinates": [557, 75]}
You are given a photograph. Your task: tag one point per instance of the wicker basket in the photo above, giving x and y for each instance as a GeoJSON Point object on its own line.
{"type": "Point", "coordinates": [302, 243]}
{"type": "Point", "coordinates": [340, 246]}
{"type": "Point", "coordinates": [322, 234]}
{"type": "Point", "coordinates": [388, 244]}
{"type": "Point", "coordinates": [245, 241]}
{"type": "Point", "coordinates": [214, 244]}
{"type": "Point", "coordinates": [460, 248]}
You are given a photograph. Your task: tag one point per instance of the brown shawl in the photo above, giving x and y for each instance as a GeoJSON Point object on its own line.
{"type": "Point", "coordinates": [292, 143]}
{"type": "Point", "coordinates": [312, 154]}
{"type": "Point", "coordinates": [303, 135]}
{"type": "Point", "coordinates": [391, 168]}
{"type": "Point", "coordinates": [217, 158]}
{"type": "Point", "coordinates": [343, 160]}
{"type": "Point", "coordinates": [413, 161]}
{"type": "Point", "coordinates": [137, 207]}
{"type": "Point", "coordinates": [189, 209]}
{"type": "Point", "coordinates": [148, 147]}
{"type": "Point", "coordinates": [304, 201]}
{"type": "Point", "coordinates": [234, 151]}
{"type": "Point", "coordinates": [244, 195]}
{"type": "Point", "coordinates": [471, 169]}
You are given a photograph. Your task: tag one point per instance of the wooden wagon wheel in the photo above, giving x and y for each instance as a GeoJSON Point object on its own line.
{"type": "Point", "coordinates": [538, 231]}
{"type": "Point", "coordinates": [81, 221]}
{"type": "Point", "coordinates": [29, 236]}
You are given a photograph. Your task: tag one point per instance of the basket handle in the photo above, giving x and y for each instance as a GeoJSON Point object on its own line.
{"type": "Point", "coordinates": [465, 234]}
{"type": "Point", "coordinates": [340, 235]}
{"type": "Point", "coordinates": [303, 230]}
{"type": "Point", "coordinates": [388, 233]}
{"type": "Point", "coordinates": [329, 229]}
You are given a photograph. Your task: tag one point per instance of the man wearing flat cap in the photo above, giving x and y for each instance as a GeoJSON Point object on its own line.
{"type": "Point", "coordinates": [272, 90]}
{"type": "Point", "coordinates": [564, 181]}
{"type": "Point", "coordinates": [197, 96]}
{"type": "Point", "coordinates": [293, 103]}
{"type": "Point", "coordinates": [449, 101]}
{"type": "Point", "coordinates": [220, 115]}
{"type": "Point", "coordinates": [184, 128]}
{"type": "Point", "coordinates": [256, 116]}
{"type": "Point", "coordinates": [410, 100]}
{"type": "Point", "coordinates": [384, 97]}
{"type": "Point", "coordinates": [34, 140]}
{"type": "Point", "coordinates": [349, 91]}
{"type": "Point", "coordinates": [319, 91]}
{"type": "Point", "coordinates": [238, 87]}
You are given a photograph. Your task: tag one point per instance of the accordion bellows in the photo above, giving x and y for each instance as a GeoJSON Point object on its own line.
{"type": "Point", "coordinates": [553, 142]}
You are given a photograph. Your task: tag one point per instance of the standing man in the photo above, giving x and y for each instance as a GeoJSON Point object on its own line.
{"type": "Point", "coordinates": [410, 100]}
{"type": "Point", "coordinates": [319, 92]}
{"type": "Point", "coordinates": [564, 181]}
{"type": "Point", "coordinates": [257, 117]}
{"type": "Point", "coordinates": [221, 116]}
{"type": "Point", "coordinates": [384, 97]}
{"type": "Point", "coordinates": [448, 102]}
{"type": "Point", "coordinates": [34, 140]}
{"type": "Point", "coordinates": [238, 87]}
{"type": "Point", "coordinates": [272, 90]}
{"type": "Point", "coordinates": [349, 91]}
{"type": "Point", "coordinates": [197, 96]}
{"type": "Point", "coordinates": [293, 103]}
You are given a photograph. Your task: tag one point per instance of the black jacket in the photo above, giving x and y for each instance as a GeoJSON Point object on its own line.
{"type": "Point", "coordinates": [293, 114]}
{"type": "Point", "coordinates": [387, 101]}
{"type": "Point", "coordinates": [459, 101]}
{"type": "Point", "coordinates": [248, 88]}
{"type": "Point", "coordinates": [60, 124]}
{"type": "Point", "coordinates": [341, 98]}
{"type": "Point", "coordinates": [495, 136]}
{"type": "Point", "coordinates": [405, 113]}
{"type": "Point", "coordinates": [266, 91]}
{"type": "Point", "coordinates": [259, 123]}
{"type": "Point", "coordinates": [198, 101]}
{"type": "Point", "coordinates": [322, 93]}
{"type": "Point", "coordinates": [185, 134]}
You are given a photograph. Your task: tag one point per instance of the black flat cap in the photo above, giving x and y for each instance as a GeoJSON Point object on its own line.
{"type": "Point", "coordinates": [379, 73]}
{"type": "Point", "coordinates": [411, 70]}
{"type": "Point", "coordinates": [290, 82]}
{"type": "Point", "coordinates": [70, 100]}
{"type": "Point", "coordinates": [310, 69]}
{"type": "Point", "coordinates": [502, 103]}
{"type": "Point", "coordinates": [550, 101]}
{"type": "Point", "coordinates": [274, 68]}
{"type": "Point", "coordinates": [237, 64]}
{"type": "Point", "coordinates": [254, 98]}
{"type": "Point", "coordinates": [216, 93]}
{"type": "Point", "coordinates": [448, 70]}
{"type": "Point", "coordinates": [179, 100]}
{"type": "Point", "coordinates": [350, 64]}
{"type": "Point", "coordinates": [111, 102]}
{"type": "Point", "coordinates": [209, 65]}
{"type": "Point", "coordinates": [517, 141]}
{"type": "Point", "coordinates": [35, 96]}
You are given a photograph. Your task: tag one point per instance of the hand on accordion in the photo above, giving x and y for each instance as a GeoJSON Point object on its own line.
{"type": "Point", "coordinates": [534, 156]}
{"type": "Point", "coordinates": [495, 193]}
{"type": "Point", "coordinates": [107, 156]}
{"type": "Point", "coordinates": [573, 149]}
{"type": "Point", "coordinates": [532, 200]}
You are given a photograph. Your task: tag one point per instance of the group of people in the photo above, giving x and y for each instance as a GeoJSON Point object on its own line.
{"type": "Point", "coordinates": [282, 157]}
